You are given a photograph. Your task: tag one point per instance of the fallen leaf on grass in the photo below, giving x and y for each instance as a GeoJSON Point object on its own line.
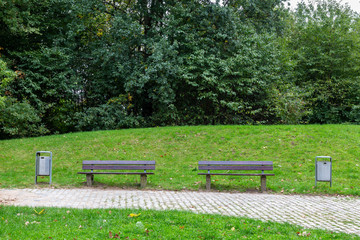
{"type": "Point", "coordinates": [117, 235]}
{"type": "Point", "coordinates": [133, 215]}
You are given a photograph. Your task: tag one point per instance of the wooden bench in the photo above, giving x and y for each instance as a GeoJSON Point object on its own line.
{"type": "Point", "coordinates": [236, 165]}
{"type": "Point", "coordinates": [117, 165]}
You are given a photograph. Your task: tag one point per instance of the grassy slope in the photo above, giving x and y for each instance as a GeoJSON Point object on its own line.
{"type": "Point", "coordinates": [177, 150]}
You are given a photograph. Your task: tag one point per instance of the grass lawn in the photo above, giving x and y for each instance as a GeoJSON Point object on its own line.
{"type": "Point", "coordinates": [177, 150]}
{"type": "Point", "coordinates": [60, 223]}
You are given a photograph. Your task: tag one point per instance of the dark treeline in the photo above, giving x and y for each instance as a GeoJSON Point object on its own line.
{"type": "Point", "coordinates": [82, 65]}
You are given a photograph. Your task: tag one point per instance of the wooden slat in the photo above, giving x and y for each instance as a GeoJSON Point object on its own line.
{"type": "Point", "coordinates": [118, 167]}
{"type": "Point", "coordinates": [137, 173]}
{"type": "Point", "coordinates": [117, 162]}
{"type": "Point", "coordinates": [239, 174]}
{"type": "Point", "coordinates": [235, 163]}
{"type": "Point", "coordinates": [235, 167]}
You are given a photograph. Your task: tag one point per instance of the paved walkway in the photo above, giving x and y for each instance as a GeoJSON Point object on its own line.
{"type": "Point", "coordinates": [339, 214]}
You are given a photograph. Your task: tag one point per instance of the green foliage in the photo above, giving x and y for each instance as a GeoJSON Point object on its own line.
{"type": "Point", "coordinates": [252, 73]}
{"type": "Point", "coordinates": [355, 114]}
{"type": "Point", "coordinates": [264, 15]}
{"type": "Point", "coordinates": [19, 119]}
{"type": "Point", "coordinates": [115, 114]}
{"type": "Point", "coordinates": [324, 42]}
{"type": "Point", "coordinates": [182, 62]}
{"type": "Point", "coordinates": [226, 68]}
{"type": "Point", "coordinates": [289, 104]}
{"type": "Point", "coordinates": [16, 17]}
{"type": "Point", "coordinates": [48, 84]}
{"type": "Point", "coordinates": [6, 76]}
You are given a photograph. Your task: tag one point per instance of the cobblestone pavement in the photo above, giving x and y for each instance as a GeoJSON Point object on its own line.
{"type": "Point", "coordinates": [339, 214]}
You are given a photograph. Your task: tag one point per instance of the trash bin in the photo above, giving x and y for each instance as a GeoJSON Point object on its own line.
{"type": "Point", "coordinates": [323, 169]}
{"type": "Point", "coordinates": [43, 164]}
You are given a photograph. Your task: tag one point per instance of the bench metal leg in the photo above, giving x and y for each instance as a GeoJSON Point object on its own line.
{"type": "Point", "coordinates": [89, 179]}
{"type": "Point", "coordinates": [143, 180]}
{"type": "Point", "coordinates": [263, 183]}
{"type": "Point", "coordinates": [208, 182]}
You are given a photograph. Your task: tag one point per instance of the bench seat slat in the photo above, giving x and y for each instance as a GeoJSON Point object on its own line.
{"type": "Point", "coordinates": [235, 163]}
{"type": "Point", "coordinates": [118, 167]}
{"type": "Point", "coordinates": [137, 173]}
{"type": "Point", "coordinates": [235, 167]}
{"type": "Point", "coordinates": [240, 174]}
{"type": "Point", "coordinates": [117, 162]}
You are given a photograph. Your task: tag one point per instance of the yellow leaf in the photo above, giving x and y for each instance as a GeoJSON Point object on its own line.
{"type": "Point", "coordinates": [134, 215]}
{"type": "Point", "coordinates": [39, 213]}
{"type": "Point", "coordinates": [100, 32]}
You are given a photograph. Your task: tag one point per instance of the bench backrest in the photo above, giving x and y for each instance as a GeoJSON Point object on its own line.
{"type": "Point", "coordinates": [117, 165]}
{"type": "Point", "coordinates": [236, 165]}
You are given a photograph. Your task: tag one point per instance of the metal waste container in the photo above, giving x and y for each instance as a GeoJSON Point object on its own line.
{"type": "Point", "coordinates": [323, 169]}
{"type": "Point", "coordinates": [43, 164]}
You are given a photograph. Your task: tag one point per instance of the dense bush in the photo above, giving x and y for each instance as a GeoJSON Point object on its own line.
{"type": "Point", "coordinates": [19, 119]}
{"type": "Point", "coordinates": [115, 114]}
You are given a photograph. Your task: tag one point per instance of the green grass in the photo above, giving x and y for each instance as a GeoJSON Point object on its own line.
{"type": "Point", "coordinates": [178, 149]}
{"type": "Point", "coordinates": [60, 223]}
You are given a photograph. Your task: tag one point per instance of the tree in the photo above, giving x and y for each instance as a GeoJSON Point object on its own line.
{"type": "Point", "coordinates": [324, 42]}
{"type": "Point", "coordinates": [17, 119]}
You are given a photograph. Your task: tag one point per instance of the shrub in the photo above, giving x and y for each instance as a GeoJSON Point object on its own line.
{"type": "Point", "coordinates": [19, 119]}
